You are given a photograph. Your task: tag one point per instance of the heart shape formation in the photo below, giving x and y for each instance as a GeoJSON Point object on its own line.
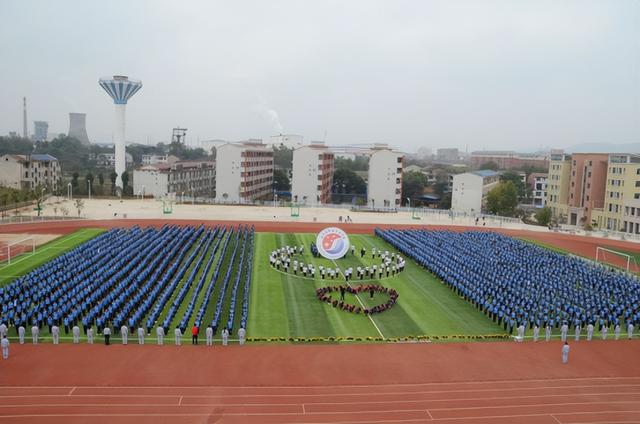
{"type": "Point", "coordinates": [324, 294]}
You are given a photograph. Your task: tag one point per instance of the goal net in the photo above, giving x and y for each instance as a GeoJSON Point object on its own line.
{"type": "Point", "coordinates": [617, 259]}
{"type": "Point", "coordinates": [11, 249]}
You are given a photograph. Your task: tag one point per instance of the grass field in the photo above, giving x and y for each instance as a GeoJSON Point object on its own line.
{"type": "Point", "coordinates": [285, 305]}
{"type": "Point", "coordinates": [22, 264]}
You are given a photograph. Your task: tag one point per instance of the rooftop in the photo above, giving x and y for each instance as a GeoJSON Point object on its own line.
{"type": "Point", "coordinates": [484, 173]}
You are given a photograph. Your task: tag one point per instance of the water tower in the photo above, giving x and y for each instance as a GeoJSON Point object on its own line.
{"type": "Point", "coordinates": [121, 89]}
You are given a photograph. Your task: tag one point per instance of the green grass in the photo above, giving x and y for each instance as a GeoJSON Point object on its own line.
{"type": "Point", "coordinates": [23, 264]}
{"type": "Point", "coordinates": [285, 305]}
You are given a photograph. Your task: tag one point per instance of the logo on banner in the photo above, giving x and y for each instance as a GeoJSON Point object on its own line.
{"type": "Point", "coordinates": [332, 243]}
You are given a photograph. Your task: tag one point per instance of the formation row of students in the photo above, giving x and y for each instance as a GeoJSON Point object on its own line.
{"type": "Point", "coordinates": [517, 283]}
{"type": "Point", "coordinates": [578, 332]}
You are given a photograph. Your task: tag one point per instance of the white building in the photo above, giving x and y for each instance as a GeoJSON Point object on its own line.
{"type": "Point", "coordinates": [538, 183]}
{"type": "Point", "coordinates": [291, 141]}
{"type": "Point", "coordinates": [470, 190]}
{"type": "Point", "coordinates": [384, 184]}
{"type": "Point", "coordinates": [312, 174]}
{"type": "Point", "coordinates": [108, 160]}
{"type": "Point", "coordinates": [158, 159]}
{"type": "Point", "coordinates": [244, 172]}
{"type": "Point", "coordinates": [30, 171]}
{"type": "Point", "coordinates": [193, 178]}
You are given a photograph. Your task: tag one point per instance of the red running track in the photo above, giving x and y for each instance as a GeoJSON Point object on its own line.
{"type": "Point", "coordinates": [467, 383]}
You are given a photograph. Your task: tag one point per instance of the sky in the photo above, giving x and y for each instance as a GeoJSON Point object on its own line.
{"type": "Point", "coordinates": [516, 75]}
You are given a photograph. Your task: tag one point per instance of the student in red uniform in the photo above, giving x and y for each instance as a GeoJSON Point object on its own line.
{"type": "Point", "coordinates": [194, 334]}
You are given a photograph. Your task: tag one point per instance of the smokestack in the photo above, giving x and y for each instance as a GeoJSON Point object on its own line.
{"type": "Point", "coordinates": [24, 118]}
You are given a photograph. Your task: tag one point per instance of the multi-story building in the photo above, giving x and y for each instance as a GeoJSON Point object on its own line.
{"type": "Point", "coordinates": [30, 171]}
{"type": "Point", "coordinates": [190, 178]}
{"type": "Point", "coordinates": [506, 159]}
{"type": "Point", "coordinates": [448, 155]}
{"type": "Point", "coordinates": [631, 216]}
{"type": "Point", "coordinates": [108, 160]}
{"type": "Point", "coordinates": [312, 174]}
{"type": "Point", "coordinates": [291, 141]}
{"type": "Point", "coordinates": [158, 159]}
{"type": "Point", "coordinates": [558, 180]}
{"type": "Point", "coordinates": [40, 130]}
{"type": "Point", "coordinates": [470, 190]}
{"type": "Point", "coordinates": [244, 172]}
{"type": "Point", "coordinates": [587, 186]}
{"type": "Point", "coordinates": [384, 184]}
{"type": "Point", "coordinates": [538, 183]}
{"type": "Point", "coordinates": [621, 190]}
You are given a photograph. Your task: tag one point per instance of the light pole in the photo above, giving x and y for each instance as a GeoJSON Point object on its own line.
{"type": "Point", "coordinates": [89, 185]}
{"type": "Point", "coordinates": [193, 199]}
{"type": "Point", "coordinates": [142, 192]}
{"type": "Point", "coordinates": [409, 201]}
{"type": "Point", "coordinates": [69, 191]}
{"type": "Point", "coordinates": [182, 198]}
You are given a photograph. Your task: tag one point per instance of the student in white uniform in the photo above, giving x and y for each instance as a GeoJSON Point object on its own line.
{"type": "Point", "coordinates": [630, 330]}
{"type": "Point", "coordinates": [76, 334]}
{"type": "Point", "coordinates": [225, 337]}
{"type": "Point", "coordinates": [577, 335]}
{"type": "Point", "coordinates": [107, 335]}
{"type": "Point", "coordinates": [536, 332]}
{"type": "Point", "coordinates": [589, 332]}
{"type": "Point", "coordinates": [209, 334]}
{"type": "Point", "coordinates": [3, 330]}
{"type": "Point", "coordinates": [520, 336]}
{"type": "Point", "coordinates": [4, 343]}
{"type": "Point", "coordinates": [90, 335]}
{"type": "Point", "coordinates": [160, 335]}
{"type": "Point", "coordinates": [563, 331]}
{"type": "Point", "coordinates": [140, 335]}
{"type": "Point", "coordinates": [616, 332]}
{"type": "Point", "coordinates": [178, 336]}
{"type": "Point", "coordinates": [124, 333]}
{"type": "Point", "coordinates": [242, 335]}
{"type": "Point", "coordinates": [565, 353]}
{"type": "Point", "coordinates": [604, 331]}
{"type": "Point", "coordinates": [35, 331]}
{"type": "Point", "coordinates": [547, 333]}
{"type": "Point", "coordinates": [55, 334]}
{"type": "Point", "coordinates": [21, 332]}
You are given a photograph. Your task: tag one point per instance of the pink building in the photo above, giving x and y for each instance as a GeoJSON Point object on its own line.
{"type": "Point", "coordinates": [587, 186]}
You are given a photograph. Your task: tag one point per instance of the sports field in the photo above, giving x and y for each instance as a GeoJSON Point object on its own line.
{"type": "Point", "coordinates": [285, 305]}
{"type": "Point", "coordinates": [22, 264]}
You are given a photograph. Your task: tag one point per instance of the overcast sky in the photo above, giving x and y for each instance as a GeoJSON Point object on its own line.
{"type": "Point", "coordinates": [483, 74]}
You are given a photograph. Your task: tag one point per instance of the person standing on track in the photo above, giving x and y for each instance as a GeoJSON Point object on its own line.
{"type": "Point", "coordinates": [520, 333]}
{"type": "Point", "coordinates": [616, 332]}
{"type": "Point", "coordinates": [178, 336]}
{"type": "Point", "coordinates": [194, 334]}
{"type": "Point", "coordinates": [590, 332]}
{"type": "Point", "coordinates": [55, 334]}
{"type": "Point", "coordinates": [3, 329]}
{"type": "Point", "coordinates": [140, 335]}
{"type": "Point", "coordinates": [242, 335]}
{"type": "Point", "coordinates": [35, 331]}
{"type": "Point", "coordinates": [76, 334]}
{"type": "Point", "coordinates": [564, 329]}
{"type": "Point", "coordinates": [21, 332]}
{"type": "Point", "coordinates": [225, 337]}
{"type": "Point", "coordinates": [209, 334]}
{"type": "Point", "coordinates": [536, 332]}
{"type": "Point", "coordinates": [160, 335]}
{"type": "Point", "coordinates": [565, 353]}
{"type": "Point", "coordinates": [90, 335]}
{"type": "Point", "coordinates": [124, 333]}
{"type": "Point", "coordinates": [107, 335]}
{"type": "Point", "coordinates": [547, 332]}
{"type": "Point", "coordinates": [4, 343]}
{"type": "Point", "coordinates": [630, 330]}
{"type": "Point", "coordinates": [577, 335]}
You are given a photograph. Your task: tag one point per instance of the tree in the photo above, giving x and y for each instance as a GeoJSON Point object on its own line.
{"type": "Point", "coordinates": [101, 182]}
{"type": "Point", "coordinates": [74, 181]}
{"type": "Point", "coordinates": [282, 157]}
{"type": "Point", "coordinates": [79, 204]}
{"type": "Point", "coordinates": [15, 146]}
{"type": "Point", "coordinates": [516, 179]}
{"type": "Point", "coordinates": [360, 163]}
{"type": "Point", "coordinates": [543, 216]}
{"type": "Point", "coordinates": [503, 199]}
{"type": "Point", "coordinates": [281, 180]}
{"type": "Point", "coordinates": [113, 177]}
{"type": "Point", "coordinates": [413, 184]}
{"type": "Point", "coordinates": [89, 178]}
{"type": "Point", "coordinates": [125, 183]}
{"type": "Point", "coordinates": [490, 165]}
{"type": "Point", "coordinates": [345, 181]}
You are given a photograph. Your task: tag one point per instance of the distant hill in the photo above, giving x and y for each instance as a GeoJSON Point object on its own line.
{"type": "Point", "coordinates": [604, 148]}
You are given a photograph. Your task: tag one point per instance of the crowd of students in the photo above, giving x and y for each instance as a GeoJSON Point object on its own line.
{"type": "Point", "coordinates": [519, 284]}
{"type": "Point", "coordinates": [325, 294]}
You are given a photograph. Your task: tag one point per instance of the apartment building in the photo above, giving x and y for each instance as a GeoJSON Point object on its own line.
{"type": "Point", "coordinates": [538, 183]}
{"type": "Point", "coordinates": [470, 190]}
{"type": "Point", "coordinates": [312, 174]}
{"type": "Point", "coordinates": [30, 171]}
{"type": "Point", "coordinates": [190, 178]}
{"type": "Point", "coordinates": [244, 172]}
{"type": "Point", "coordinates": [506, 159]}
{"type": "Point", "coordinates": [558, 180]}
{"type": "Point", "coordinates": [384, 183]}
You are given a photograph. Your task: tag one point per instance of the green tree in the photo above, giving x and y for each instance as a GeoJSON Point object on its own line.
{"type": "Point", "coordinates": [281, 180]}
{"type": "Point", "coordinates": [516, 179]}
{"type": "Point", "coordinates": [71, 153]}
{"type": "Point", "coordinates": [125, 182]}
{"type": "Point", "coordinates": [360, 163]}
{"type": "Point", "coordinates": [490, 165]}
{"type": "Point", "coordinates": [345, 181]}
{"type": "Point", "coordinates": [503, 199]}
{"type": "Point", "coordinates": [113, 177]}
{"type": "Point", "coordinates": [543, 216]}
{"type": "Point", "coordinates": [101, 182]}
{"type": "Point", "coordinates": [79, 204]}
{"type": "Point", "coordinates": [15, 146]}
{"type": "Point", "coordinates": [413, 184]}
{"type": "Point", "coordinates": [74, 181]}
{"type": "Point", "coordinates": [89, 178]}
{"type": "Point", "coordinates": [282, 157]}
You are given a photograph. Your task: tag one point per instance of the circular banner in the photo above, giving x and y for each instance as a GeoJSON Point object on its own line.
{"type": "Point", "coordinates": [332, 243]}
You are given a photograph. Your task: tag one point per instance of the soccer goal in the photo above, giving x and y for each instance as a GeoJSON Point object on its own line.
{"type": "Point", "coordinates": [615, 258]}
{"type": "Point", "coordinates": [18, 247]}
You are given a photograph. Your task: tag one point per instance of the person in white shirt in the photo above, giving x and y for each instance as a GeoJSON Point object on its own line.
{"type": "Point", "coordinates": [547, 333]}
{"type": "Point", "coordinates": [565, 353]}
{"type": "Point", "coordinates": [225, 337]}
{"type": "Point", "coordinates": [178, 336]}
{"type": "Point", "coordinates": [35, 331]}
{"type": "Point", "coordinates": [577, 335]}
{"type": "Point", "coordinates": [589, 332]}
{"type": "Point", "coordinates": [520, 336]}
{"type": "Point", "coordinates": [76, 334]}
{"type": "Point", "coordinates": [242, 335]}
{"type": "Point", "coordinates": [564, 329]}
{"type": "Point", "coordinates": [140, 335]}
{"type": "Point", "coordinates": [536, 332]}
{"type": "Point", "coordinates": [124, 333]}
{"type": "Point", "coordinates": [55, 334]}
{"type": "Point", "coordinates": [3, 329]}
{"type": "Point", "coordinates": [616, 332]}
{"type": "Point", "coordinates": [90, 335]}
{"type": "Point", "coordinates": [630, 330]}
{"type": "Point", "coordinates": [21, 331]}
{"type": "Point", "coordinates": [160, 335]}
{"type": "Point", "coordinates": [209, 334]}
{"type": "Point", "coordinates": [604, 331]}
{"type": "Point", "coordinates": [107, 335]}
{"type": "Point", "coordinates": [4, 343]}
